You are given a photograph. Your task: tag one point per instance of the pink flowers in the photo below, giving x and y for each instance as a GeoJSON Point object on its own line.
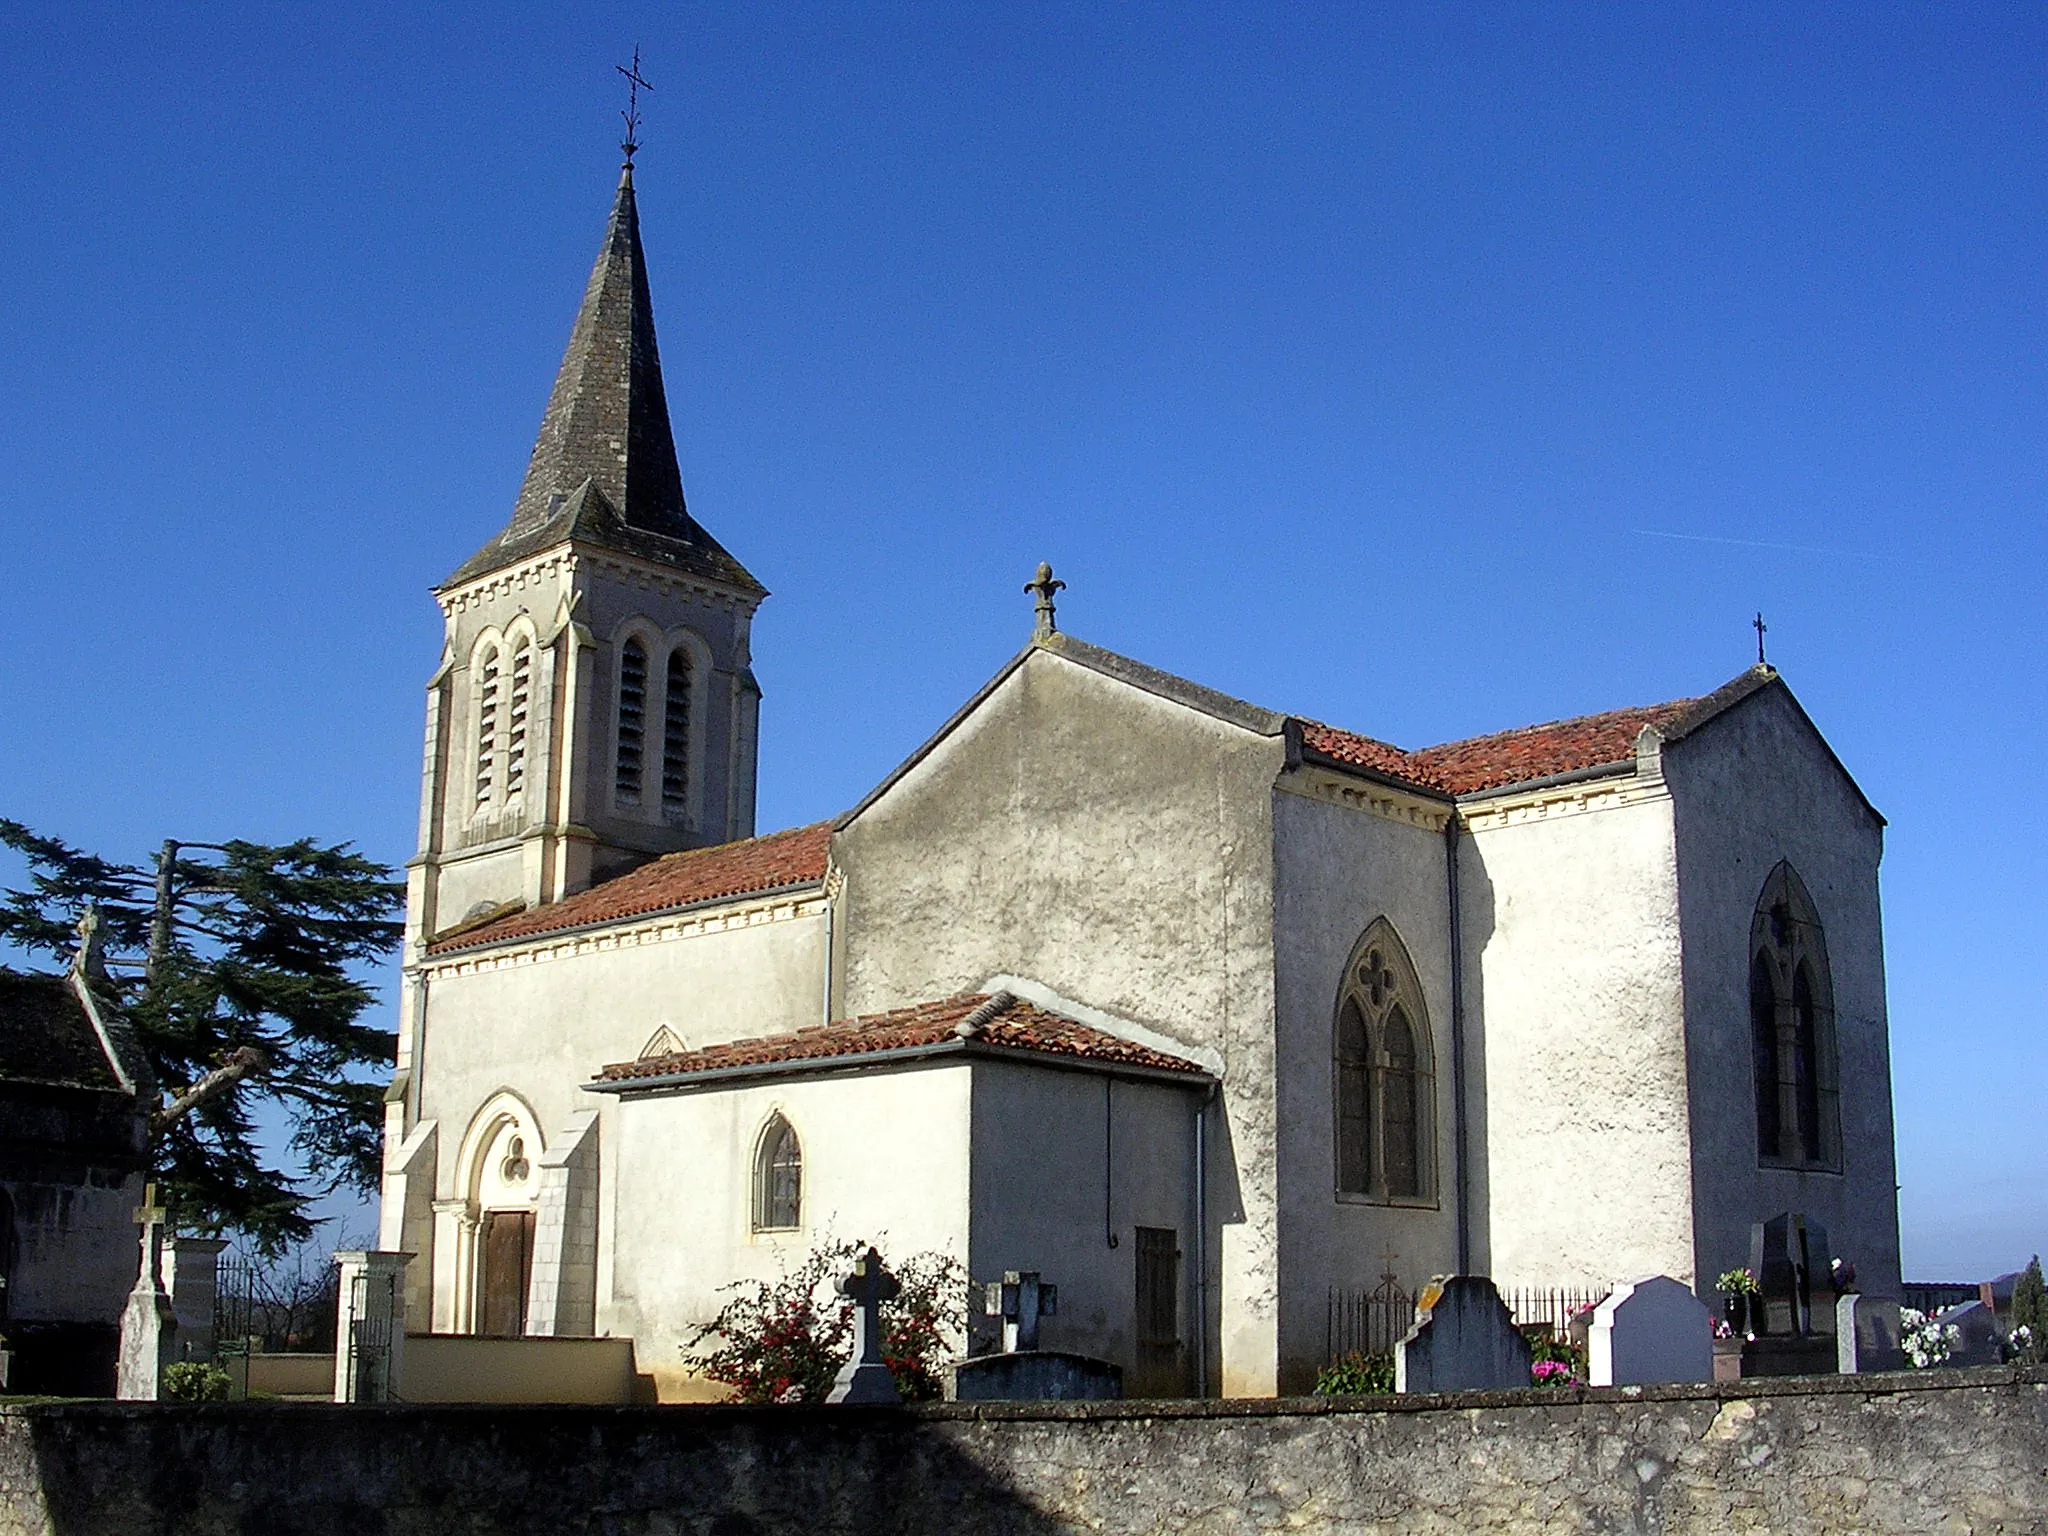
{"type": "Point", "coordinates": [1552, 1373]}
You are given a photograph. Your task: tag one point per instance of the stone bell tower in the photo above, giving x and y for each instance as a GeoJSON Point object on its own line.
{"type": "Point", "coordinates": [594, 706]}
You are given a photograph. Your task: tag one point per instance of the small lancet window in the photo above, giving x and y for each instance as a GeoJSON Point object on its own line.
{"type": "Point", "coordinates": [1793, 1062]}
{"type": "Point", "coordinates": [515, 730]}
{"type": "Point", "coordinates": [486, 726]}
{"type": "Point", "coordinates": [778, 1178]}
{"type": "Point", "coordinates": [632, 721]}
{"type": "Point", "coordinates": [675, 735]}
{"type": "Point", "coordinates": [1385, 1083]}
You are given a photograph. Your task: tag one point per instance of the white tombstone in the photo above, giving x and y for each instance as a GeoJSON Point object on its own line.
{"type": "Point", "coordinates": [1464, 1340]}
{"type": "Point", "coordinates": [369, 1334]}
{"type": "Point", "coordinates": [1648, 1331]}
{"type": "Point", "coordinates": [149, 1323]}
{"type": "Point", "coordinates": [1867, 1335]}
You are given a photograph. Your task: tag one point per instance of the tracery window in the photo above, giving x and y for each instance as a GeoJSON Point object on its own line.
{"type": "Point", "coordinates": [675, 735]}
{"type": "Point", "coordinates": [486, 726]}
{"type": "Point", "coordinates": [1385, 1075]}
{"type": "Point", "coordinates": [778, 1178]}
{"type": "Point", "coordinates": [1792, 1029]}
{"type": "Point", "coordinates": [632, 721]}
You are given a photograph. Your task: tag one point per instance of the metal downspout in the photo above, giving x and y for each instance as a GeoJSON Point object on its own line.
{"type": "Point", "coordinates": [1460, 1131]}
{"type": "Point", "coordinates": [1202, 1241]}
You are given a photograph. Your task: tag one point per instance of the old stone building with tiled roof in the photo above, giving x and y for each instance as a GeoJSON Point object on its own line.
{"type": "Point", "coordinates": [1204, 1010]}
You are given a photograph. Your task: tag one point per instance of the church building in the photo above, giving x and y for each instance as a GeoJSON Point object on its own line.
{"type": "Point", "coordinates": [1199, 1008]}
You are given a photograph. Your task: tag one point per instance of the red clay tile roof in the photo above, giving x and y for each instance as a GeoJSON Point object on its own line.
{"type": "Point", "coordinates": [1018, 1025]}
{"type": "Point", "coordinates": [795, 857]}
{"type": "Point", "coordinates": [1506, 757]}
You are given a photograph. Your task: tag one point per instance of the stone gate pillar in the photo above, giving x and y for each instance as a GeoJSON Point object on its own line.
{"type": "Point", "coordinates": [369, 1330]}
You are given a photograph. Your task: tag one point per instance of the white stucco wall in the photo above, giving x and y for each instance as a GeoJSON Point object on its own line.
{"type": "Point", "coordinates": [1345, 854]}
{"type": "Point", "coordinates": [1754, 786]}
{"type": "Point", "coordinates": [885, 1159]}
{"type": "Point", "coordinates": [1576, 1010]}
{"type": "Point", "coordinates": [1063, 1162]}
{"type": "Point", "coordinates": [1118, 847]}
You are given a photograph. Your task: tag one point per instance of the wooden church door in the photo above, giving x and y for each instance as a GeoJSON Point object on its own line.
{"type": "Point", "coordinates": [508, 1267]}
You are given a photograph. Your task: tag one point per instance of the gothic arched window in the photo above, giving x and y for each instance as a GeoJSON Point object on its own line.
{"type": "Point", "coordinates": [1385, 1077]}
{"type": "Point", "coordinates": [486, 725]}
{"type": "Point", "coordinates": [675, 736]}
{"type": "Point", "coordinates": [778, 1178]}
{"type": "Point", "coordinates": [1792, 1029]}
{"type": "Point", "coordinates": [632, 721]}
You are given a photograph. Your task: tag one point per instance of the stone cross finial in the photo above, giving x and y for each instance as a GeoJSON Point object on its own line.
{"type": "Point", "coordinates": [1759, 626]}
{"type": "Point", "coordinates": [1045, 587]}
{"type": "Point", "coordinates": [1020, 1299]}
{"type": "Point", "coordinates": [91, 959]}
{"type": "Point", "coordinates": [865, 1377]}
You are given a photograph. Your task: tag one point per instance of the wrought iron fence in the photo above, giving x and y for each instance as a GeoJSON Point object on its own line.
{"type": "Point", "coordinates": [273, 1309]}
{"type": "Point", "coordinates": [1550, 1307]}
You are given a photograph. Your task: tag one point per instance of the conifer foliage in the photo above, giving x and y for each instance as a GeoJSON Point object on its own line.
{"type": "Point", "coordinates": [261, 959]}
{"type": "Point", "coordinates": [2030, 1311]}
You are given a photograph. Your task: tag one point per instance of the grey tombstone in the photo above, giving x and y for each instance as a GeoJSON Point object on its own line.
{"type": "Point", "coordinates": [192, 1276]}
{"type": "Point", "coordinates": [1649, 1331]}
{"type": "Point", "coordinates": [1980, 1335]}
{"type": "Point", "coordinates": [865, 1377]}
{"type": "Point", "coordinates": [1020, 1299]}
{"type": "Point", "coordinates": [1795, 1272]}
{"type": "Point", "coordinates": [1033, 1375]}
{"type": "Point", "coordinates": [1464, 1340]}
{"type": "Point", "coordinates": [1867, 1335]}
{"type": "Point", "coordinates": [149, 1323]}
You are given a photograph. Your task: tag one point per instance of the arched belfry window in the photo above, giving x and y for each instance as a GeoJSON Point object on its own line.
{"type": "Point", "coordinates": [518, 706]}
{"type": "Point", "coordinates": [1792, 1029]}
{"type": "Point", "coordinates": [1385, 1075]}
{"type": "Point", "coordinates": [486, 725]}
{"type": "Point", "coordinates": [675, 737]}
{"type": "Point", "coordinates": [778, 1178]}
{"type": "Point", "coordinates": [632, 721]}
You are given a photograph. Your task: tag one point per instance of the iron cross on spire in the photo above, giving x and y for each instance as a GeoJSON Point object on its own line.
{"type": "Point", "coordinates": [1759, 626]}
{"type": "Point", "coordinates": [635, 85]}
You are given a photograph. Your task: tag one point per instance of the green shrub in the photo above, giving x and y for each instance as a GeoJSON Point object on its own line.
{"type": "Point", "coordinates": [195, 1381]}
{"type": "Point", "coordinates": [1356, 1375]}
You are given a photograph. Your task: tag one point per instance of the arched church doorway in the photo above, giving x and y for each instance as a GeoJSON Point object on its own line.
{"type": "Point", "coordinates": [506, 1191]}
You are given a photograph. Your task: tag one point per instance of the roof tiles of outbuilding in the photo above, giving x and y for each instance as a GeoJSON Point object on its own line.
{"type": "Point", "coordinates": [750, 867]}
{"type": "Point", "coordinates": [998, 1020]}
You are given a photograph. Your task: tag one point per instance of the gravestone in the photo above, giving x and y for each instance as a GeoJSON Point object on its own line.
{"type": "Point", "coordinates": [1464, 1340]}
{"type": "Point", "coordinates": [149, 1323]}
{"type": "Point", "coordinates": [1867, 1335]}
{"type": "Point", "coordinates": [1980, 1334]}
{"type": "Point", "coordinates": [1795, 1275]}
{"type": "Point", "coordinates": [1020, 1299]}
{"type": "Point", "coordinates": [865, 1377]}
{"type": "Point", "coordinates": [1649, 1331]}
{"type": "Point", "coordinates": [192, 1277]}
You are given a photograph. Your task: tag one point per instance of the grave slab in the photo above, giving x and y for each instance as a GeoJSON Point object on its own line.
{"type": "Point", "coordinates": [1649, 1331]}
{"type": "Point", "coordinates": [1464, 1340]}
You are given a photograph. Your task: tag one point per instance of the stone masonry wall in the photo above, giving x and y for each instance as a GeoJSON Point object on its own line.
{"type": "Point", "coordinates": [1947, 1451]}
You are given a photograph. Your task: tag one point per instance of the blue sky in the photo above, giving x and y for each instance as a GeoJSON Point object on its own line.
{"type": "Point", "coordinates": [1426, 370]}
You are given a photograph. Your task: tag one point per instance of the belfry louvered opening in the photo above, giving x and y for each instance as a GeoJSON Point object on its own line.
{"type": "Point", "coordinates": [632, 722]}
{"type": "Point", "coordinates": [675, 736]}
{"type": "Point", "coordinates": [515, 727]}
{"type": "Point", "coordinates": [486, 727]}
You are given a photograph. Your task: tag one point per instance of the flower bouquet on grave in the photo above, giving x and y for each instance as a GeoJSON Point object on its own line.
{"type": "Point", "coordinates": [1741, 1298]}
{"type": "Point", "coordinates": [1928, 1341]}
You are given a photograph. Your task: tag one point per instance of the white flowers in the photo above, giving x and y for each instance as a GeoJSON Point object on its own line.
{"type": "Point", "coordinates": [1928, 1340]}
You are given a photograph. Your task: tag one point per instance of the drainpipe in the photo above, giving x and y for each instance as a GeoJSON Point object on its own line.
{"type": "Point", "coordinates": [1201, 1248]}
{"type": "Point", "coordinates": [1461, 1159]}
{"type": "Point", "coordinates": [825, 1003]}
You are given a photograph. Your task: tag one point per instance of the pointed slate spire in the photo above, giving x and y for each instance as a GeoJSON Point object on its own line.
{"type": "Point", "coordinates": [604, 464]}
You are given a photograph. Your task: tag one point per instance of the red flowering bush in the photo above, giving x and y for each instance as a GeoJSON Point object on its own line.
{"type": "Point", "coordinates": [783, 1340]}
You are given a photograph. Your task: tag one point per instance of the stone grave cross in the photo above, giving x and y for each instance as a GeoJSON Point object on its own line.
{"type": "Point", "coordinates": [1020, 1299]}
{"type": "Point", "coordinates": [865, 1377]}
{"type": "Point", "coordinates": [149, 1323]}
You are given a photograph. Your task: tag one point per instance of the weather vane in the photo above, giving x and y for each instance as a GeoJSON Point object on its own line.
{"type": "Point", "coordinates": [1759, 626]}
{"type": "Point", "coordinates": [634, 87]}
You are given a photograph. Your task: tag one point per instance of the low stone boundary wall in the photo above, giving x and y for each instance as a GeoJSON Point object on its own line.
{"type": "Point", "coordinates": [1950, 1451]}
